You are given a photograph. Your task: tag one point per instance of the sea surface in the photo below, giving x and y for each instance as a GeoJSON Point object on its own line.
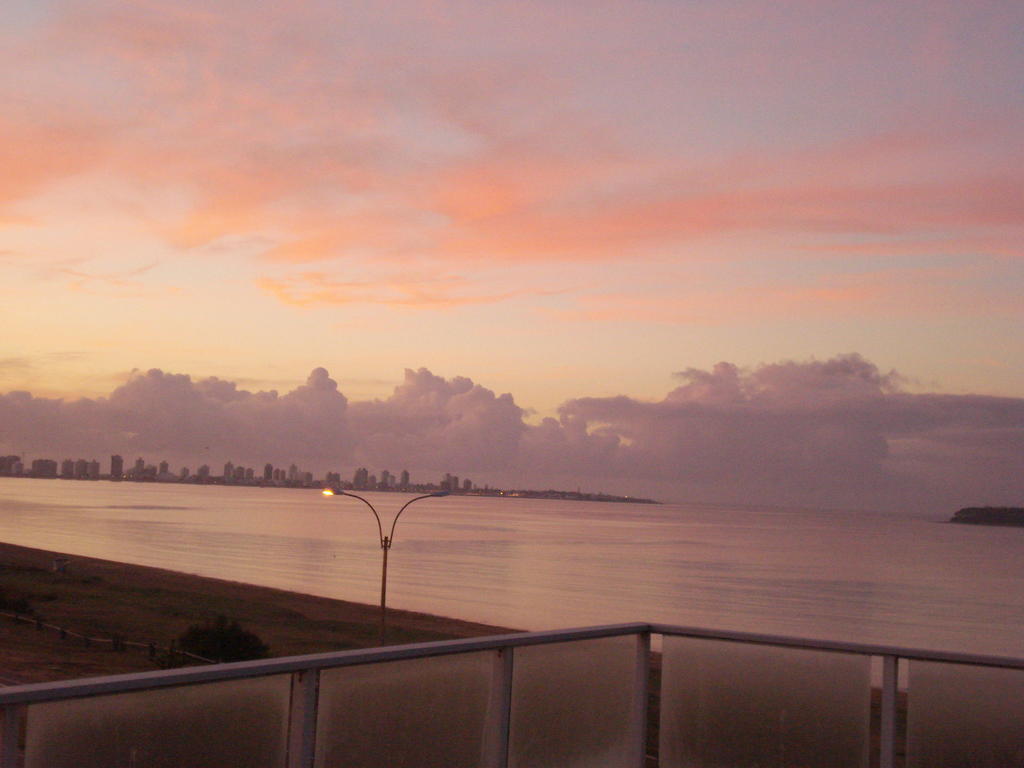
{"type": "Point", "coordinates": [541, 564]}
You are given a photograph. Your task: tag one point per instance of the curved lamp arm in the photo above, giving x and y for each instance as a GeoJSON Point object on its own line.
{"type": "Point", "coordinates": [380, 528]}
{"type": "Point", "coordinates": [394, 522]}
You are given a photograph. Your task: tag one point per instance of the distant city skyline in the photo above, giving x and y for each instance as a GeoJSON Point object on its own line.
{"type": "Point", "coordinates": [14, 466]}
{"type": "Point", "coordinates": [82, 469]}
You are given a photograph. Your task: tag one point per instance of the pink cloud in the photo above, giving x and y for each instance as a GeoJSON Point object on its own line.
{"type": "Point", "coordinates": [627, 222]}
{"type": "Point", "coordinates": [837, 433]}
{"type": "Point", "coordinates": [450, 153]}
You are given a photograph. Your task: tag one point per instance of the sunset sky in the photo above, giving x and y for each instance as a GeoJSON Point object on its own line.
{"type": "Point", "coordinates": [558, 200]}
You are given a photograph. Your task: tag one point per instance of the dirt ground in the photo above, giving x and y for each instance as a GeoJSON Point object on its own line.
{"type": "Point", "coordinates": [102, 600]}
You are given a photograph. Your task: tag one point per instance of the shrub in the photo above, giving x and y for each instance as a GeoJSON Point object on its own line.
{"type": "Point", "coordinates": [222, 640]}
{"type": "Point", "coordinates": [14, 603]}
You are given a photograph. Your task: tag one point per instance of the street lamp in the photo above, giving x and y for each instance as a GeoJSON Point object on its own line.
{"type": "Point", "coordinates": [385, 545]}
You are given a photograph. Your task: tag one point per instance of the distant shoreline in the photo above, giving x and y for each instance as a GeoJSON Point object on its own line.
{"type": "Point", "coordinates": [316, 485]}
{"type": "Point", "coordinates": [1003, 516]}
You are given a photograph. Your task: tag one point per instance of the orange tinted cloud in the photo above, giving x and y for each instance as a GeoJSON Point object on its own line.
{"type": "Point", "coordinates": [267, 125]}
{"type": "Point", "coordinates": [817, 196]}
{"type": "Point", "coordinates": [38, 147]}
{"type": "Point", "coordinates": [123, 283]}
{"type": "Point", "coordinates": [311, 289]}
{"type": "Point", "coordinates": [890, 293]}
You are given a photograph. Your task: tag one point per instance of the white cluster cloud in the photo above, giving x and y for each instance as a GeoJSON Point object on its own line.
{"type": "Point", "coordinates": [435, 423]}
{"type": "Point", "coordinates": [836, 433]}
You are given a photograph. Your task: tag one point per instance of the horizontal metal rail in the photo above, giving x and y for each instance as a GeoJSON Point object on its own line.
{"type": "Point", "coordinates": [69, 689]}
{"type": "Point", "coordinates": [863, 649]}
{"type": "Point", "coordinates": [97, 686]}
{"type": "Point", "coordinates": [15, 701]}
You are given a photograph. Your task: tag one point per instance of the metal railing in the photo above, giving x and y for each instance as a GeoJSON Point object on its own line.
{"type": "Point", "coordinates": [306, 671]}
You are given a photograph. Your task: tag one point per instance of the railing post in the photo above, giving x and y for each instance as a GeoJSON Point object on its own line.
{"type": "Point", "coordinates": [638, 727]}
{"type": "Point", "coordinates": [9, 752]}
{"type": "Point", "coordinates": [887, 740]}
{"type": "Point", "coordinates": [302, 719]}
{"type": "Point", "coordinates": [499, 711]}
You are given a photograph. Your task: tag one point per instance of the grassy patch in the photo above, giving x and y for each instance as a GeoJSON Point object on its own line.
{"type": "Point", "coordinates": [106, 599]}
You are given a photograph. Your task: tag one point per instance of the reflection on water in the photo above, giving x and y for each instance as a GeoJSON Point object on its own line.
{"type": "Point", "coordinates": [141, 506]}
{"type": "Point", "coordinates": [538, 564]}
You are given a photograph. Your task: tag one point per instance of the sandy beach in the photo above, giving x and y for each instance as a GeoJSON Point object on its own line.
{"type": "Point", "coordinates": [103, 599]}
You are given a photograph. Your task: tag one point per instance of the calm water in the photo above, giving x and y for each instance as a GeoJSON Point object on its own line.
{"type": "Point", "coordinates": [545, 564]}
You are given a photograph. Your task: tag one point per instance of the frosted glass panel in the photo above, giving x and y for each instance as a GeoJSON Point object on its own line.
{"type": "Point", "coordinates": [745, 706]}
{"type": "Point", "coordinates": [419, 713]}
{"type": "Point", "coordinates": [964, 716]}
{"type": "Point", "coordinates": [571, 704]}
{"type": "Point", "coordinates": [234, 724]}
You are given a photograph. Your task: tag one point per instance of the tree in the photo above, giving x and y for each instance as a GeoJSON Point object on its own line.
{"type": "Point", "coordinates": [222, 640]}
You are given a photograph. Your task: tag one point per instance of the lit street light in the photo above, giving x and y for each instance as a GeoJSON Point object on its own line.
{"type": "Point", "coordinates": [385, 545]}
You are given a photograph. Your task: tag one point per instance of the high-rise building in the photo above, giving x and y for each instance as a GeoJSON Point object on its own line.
{"type": "Point", "coordinates": [403, 483]}
{"type": "Point", "coordinates": [268, 471]}
{"type": "Point", "coordinates": [229, 472]}
{"type": "Point", "coordinates": [140, 467]}
{"type": "Point", "coordinates": [44, 468]}
{"type": "Point", "coordinates": [293, 473]}
{"type": "Point", "coordinates": [67, 468]}
{"type": "Point", "coordinates": [467, 485]}
{"type": "Point", "coordinates": [81, 469]}
{"type": "Point", "coordinates": [184, 474]}
{"type": "Point", "coordinates": [93, 470]}
{"type": "Point", "coordinates": [164, 468]}
{"type": "Point", "coordinates": [203, 473]}
{"type": "Point", "coordinates": [116, 467]}
{"type": "Point", "coordinates": [7, 464]}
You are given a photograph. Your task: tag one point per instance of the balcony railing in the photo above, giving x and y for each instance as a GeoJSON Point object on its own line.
{"type": "Point", "coordinates": [577, 698]}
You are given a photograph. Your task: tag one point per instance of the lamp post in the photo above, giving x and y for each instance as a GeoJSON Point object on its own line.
{"type": "Point", "coordinates": [385, 545]}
